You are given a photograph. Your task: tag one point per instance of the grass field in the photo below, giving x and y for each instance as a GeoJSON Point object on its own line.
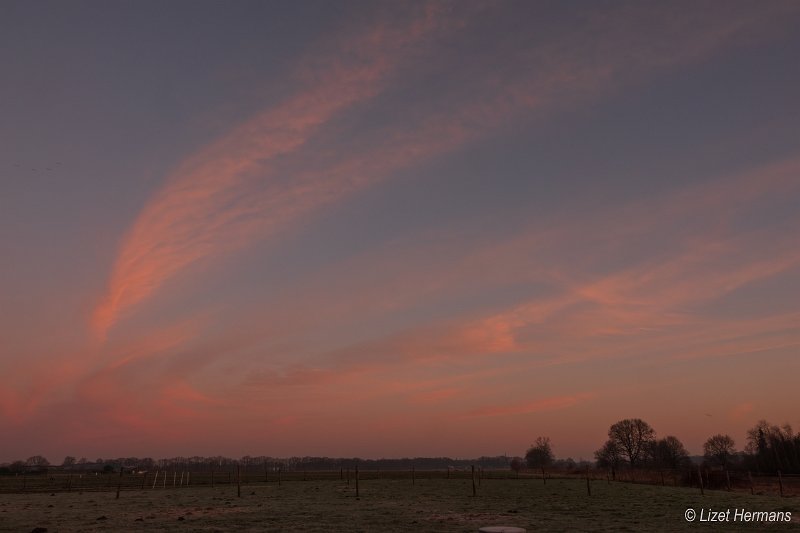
{"type": "Point", "coordinates": [387, 504]}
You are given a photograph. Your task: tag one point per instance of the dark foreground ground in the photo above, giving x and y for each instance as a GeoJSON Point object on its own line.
{"type": "Point", "coordinates": [390, 505]}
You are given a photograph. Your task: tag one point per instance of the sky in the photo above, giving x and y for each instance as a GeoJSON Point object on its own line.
{"type": "Point", "coordinates": [388, 229]}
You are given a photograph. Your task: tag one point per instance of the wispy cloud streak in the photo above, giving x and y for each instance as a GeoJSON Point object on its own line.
{"type": "Point", "coordinates": [227, 194]}
{"type": "Point", "coordinates": [198, 213]}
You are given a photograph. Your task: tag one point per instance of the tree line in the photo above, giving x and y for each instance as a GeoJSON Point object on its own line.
{"type": "Point", "coordinates": [220, 463]}
{"type": "Point", "coordinates": [633, 443]}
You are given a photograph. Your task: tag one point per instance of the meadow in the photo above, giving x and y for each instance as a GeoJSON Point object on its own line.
{"type": "Point", "coordinates": [387, 502]}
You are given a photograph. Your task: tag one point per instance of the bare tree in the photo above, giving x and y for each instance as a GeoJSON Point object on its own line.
{"type": "Point", "coordinates": [632, 436]}
{"type": "Point", "coordinates": [669, 452]}
{"type": "Point", "coordinates": [37, 460]}
{"type": "Point", "coordinates": [771, 447]}
{"type": "Point", "coordinates": [719, 449]}
{"type": "Point", "coordinates": [68, 461]}
{"type": "Point", "coordinates": [609, 456]}
{"type": "Point", "coordinates": [539, 454]}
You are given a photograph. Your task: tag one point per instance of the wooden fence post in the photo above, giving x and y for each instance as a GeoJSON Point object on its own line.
{"type": "Point", "coordinates": [700, 479]}
{"type": "Point", "coordinates": [474, 493]}
{"type": "Point", "coordinates": [413, 477]}
{"type": "Point", "coordinates": [279, 476]}
{"type": "Point", "coordinates": [544, 478]}
{"type": "Point", "coordinates": [588, 483]}
{"type": "Point", "coordinates": [119, 483]}
{"type": "Point", "coordinates": [155, 480]}
{"type": "Point", "coordinates": [357, 493]}
{"type": "Point", "coordinates": [728, 479]}
{"type": "Point", "coordinates": [750, 477]}
{"type": "Point", "coordinates": [238, 481]}
{"type": "Point", "coordinates": [780, 482]}
{"type": "Point", "coordinates": [212, 476]}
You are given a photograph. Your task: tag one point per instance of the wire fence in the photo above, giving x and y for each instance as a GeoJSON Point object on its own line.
{"type": "Point", "coordinates": [59, 479]}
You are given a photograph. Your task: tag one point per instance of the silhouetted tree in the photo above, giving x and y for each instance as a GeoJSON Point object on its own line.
{"type": "Point", "coordinates": [609, 456]}
{"type": "Point", "coordinates": [68, 461]}
{"type": "Point", "coordinates": [719, 449]}
{"type": "Point", "coordinates": [37, 461]}
{"type": "Point", "coordinates": [669, 452]}
{"type": "Point", "coordinates": [540, 454]}
{"type": "Point", "coordinates": [632, 437]}
{"type": "Point", "coordinates": [773, 448]}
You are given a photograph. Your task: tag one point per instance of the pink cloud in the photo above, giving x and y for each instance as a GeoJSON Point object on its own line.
{"type": "Point", "coordinates": [197, 212]}
{"type": "Point", "coordinates": [217, 201]}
